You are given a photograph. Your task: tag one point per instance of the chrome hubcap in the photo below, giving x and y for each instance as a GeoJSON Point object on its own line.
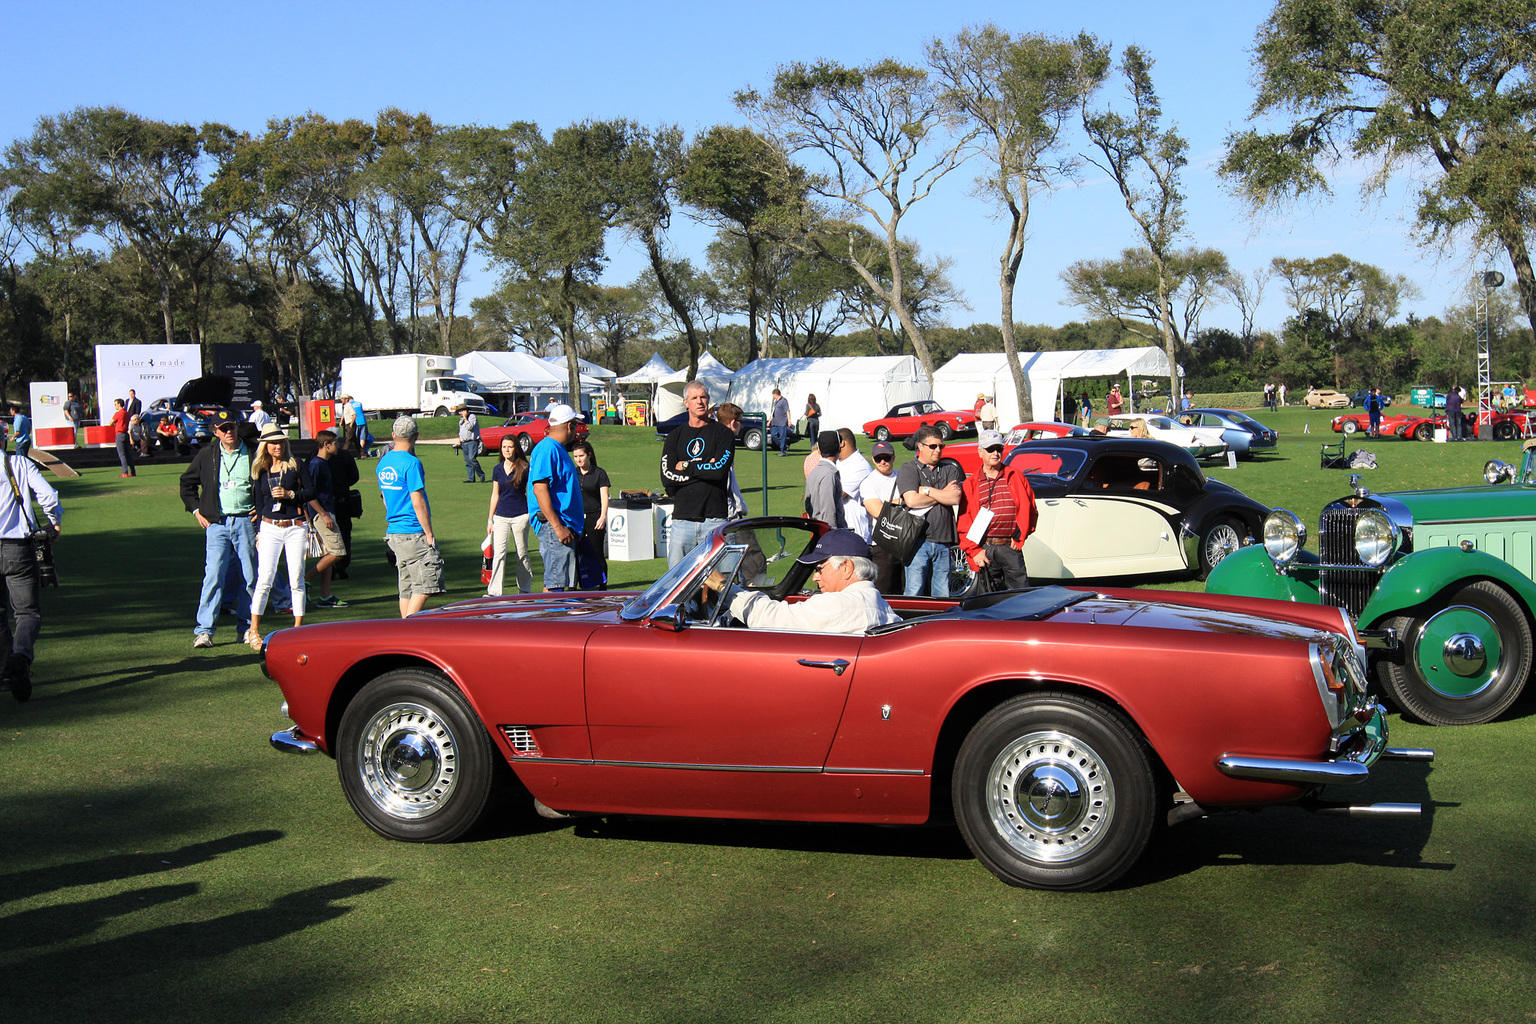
{"type": "Point", "coordinates": [1464, 654]}
{"type": "Point", "coordinates": [408, 760]}
{"type": "Point", "coordinates": [1049, 796]}
{"type": "Point", "coordinates": [1221, 543]}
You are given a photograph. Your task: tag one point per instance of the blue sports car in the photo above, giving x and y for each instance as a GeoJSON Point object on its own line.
{"type": "Point", "coordinates": [1243, 434]}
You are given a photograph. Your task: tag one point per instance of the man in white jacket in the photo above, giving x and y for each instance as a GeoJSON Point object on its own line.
{"type": "Point", "coordinates": [848, 602]}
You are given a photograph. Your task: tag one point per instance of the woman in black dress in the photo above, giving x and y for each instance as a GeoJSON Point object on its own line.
{"type": "Point", "coordinates": [594, 501]}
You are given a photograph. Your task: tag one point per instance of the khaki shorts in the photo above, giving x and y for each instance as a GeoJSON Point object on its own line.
{"type": "Point", "coordinates": [330, 540]}
{"type": "Point", "coordinates": [419, 565]}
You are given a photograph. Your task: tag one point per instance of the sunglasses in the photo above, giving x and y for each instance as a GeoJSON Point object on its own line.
{"type": "Point", "coordinates": [933, 447]}
{"type": "Point", "coordinates": [885, 458]}
{"type": "Point", "coordinates": [996, 451]}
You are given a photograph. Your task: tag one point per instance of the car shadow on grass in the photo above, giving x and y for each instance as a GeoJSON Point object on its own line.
{"type": "Point", "coordinates": [938, 843]}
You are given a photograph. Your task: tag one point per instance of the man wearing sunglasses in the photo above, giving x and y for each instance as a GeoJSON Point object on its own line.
{"type": "Point", "coordinates": [848, 602]}
{"type": "Point", "coordinates": [876, 489]}
{"type": "Point", "coordinates": [997, 514]}
{"type": "Point", "coordinates": [930, 488]}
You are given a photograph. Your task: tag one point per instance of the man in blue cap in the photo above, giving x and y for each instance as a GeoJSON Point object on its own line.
{"type": "Point", "coordinates": [848, 602]}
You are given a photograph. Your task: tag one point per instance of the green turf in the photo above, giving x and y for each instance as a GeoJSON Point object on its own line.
{"type": "Point", "coordinates": [160, 862]}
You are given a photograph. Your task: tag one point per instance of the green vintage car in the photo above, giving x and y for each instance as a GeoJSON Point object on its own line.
{"type": "Point", "coordinates": [1438, 581]}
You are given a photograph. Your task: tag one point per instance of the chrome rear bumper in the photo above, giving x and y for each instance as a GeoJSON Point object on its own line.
{"type": "Point", "coordinates": [289, 741]}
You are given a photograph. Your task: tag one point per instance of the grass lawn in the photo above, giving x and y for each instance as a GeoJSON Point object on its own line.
{"type": "Point", "coordinates": [161, 862]}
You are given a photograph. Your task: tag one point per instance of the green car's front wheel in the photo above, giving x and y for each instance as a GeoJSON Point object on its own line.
{"type": "Point", "coordinates": [1464, 660]}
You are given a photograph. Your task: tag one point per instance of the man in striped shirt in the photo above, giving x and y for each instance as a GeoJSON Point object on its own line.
{"type": "Point", "coordinates": [997, 514]}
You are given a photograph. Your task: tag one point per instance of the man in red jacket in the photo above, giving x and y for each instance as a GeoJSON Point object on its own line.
{"type": "Point", "coordinates": [997, 514]}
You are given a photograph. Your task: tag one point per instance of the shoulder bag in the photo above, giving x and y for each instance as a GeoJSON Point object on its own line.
{"type": "Point", "coordinates": [898, 531]}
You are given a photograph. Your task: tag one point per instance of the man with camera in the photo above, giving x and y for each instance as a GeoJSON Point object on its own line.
{"type": "Point", "coordinates": [26, 562]}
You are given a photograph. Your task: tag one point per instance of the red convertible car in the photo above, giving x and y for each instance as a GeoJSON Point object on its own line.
{"type": "Point", "coordinates": [1060, 726]}
{"type": "Point", "coordinates": [528, 427]}
{"type": "Point", "coordinates": [1360, 422]}
{"type": "Point", "coordinates": [905, 419]}
{"type": "Point", "coordinates": [969, 459]}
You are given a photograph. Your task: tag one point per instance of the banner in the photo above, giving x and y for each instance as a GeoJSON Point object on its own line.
{"type": "Point", "coordinates": [48, 404]}
{"type": "Point", "coordinates": [242, 364]}
{"type": "Point", "coordinates": [152, 371]}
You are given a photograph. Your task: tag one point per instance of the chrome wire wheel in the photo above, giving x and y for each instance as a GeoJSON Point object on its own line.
{"type": "Point", "coordinates": [1219, 541]}
{"type": "Point", "coordinates": [1049, 797]}
{"type": "Point", "coordinates": [408, 761]}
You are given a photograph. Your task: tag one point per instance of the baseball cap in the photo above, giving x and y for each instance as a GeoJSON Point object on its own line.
{"type": "Point", "coordinates": [836, 542]}
{"type": "Point", "coordinates": [561, 413]}
{"type": "Point", "coordinates": [828, 442]}
{"type": "Point", "coordinates": [404, 426]}
{"type": "Point", "coordinates": [988, 439]}
{"type": "Point", "coordinates": [883, 448]}
{"type": "Point", "coordinates": [256, 404]}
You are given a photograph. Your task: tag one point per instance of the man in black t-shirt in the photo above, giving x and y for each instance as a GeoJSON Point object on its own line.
{"type": "Point", "coordinates": [696, 472]}
{"type": "Point", "coordinates": [931, 489]}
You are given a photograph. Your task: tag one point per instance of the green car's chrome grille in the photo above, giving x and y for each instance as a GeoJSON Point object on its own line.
{"type": "Point", "coordinates": [1347, 588]}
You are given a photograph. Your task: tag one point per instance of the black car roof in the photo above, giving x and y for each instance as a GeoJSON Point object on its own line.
{"type": "Point", "coordinates": [1101, 444]}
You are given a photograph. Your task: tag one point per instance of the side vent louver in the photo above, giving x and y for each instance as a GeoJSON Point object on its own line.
{"type": "Point", "coordinates": [521, 739]}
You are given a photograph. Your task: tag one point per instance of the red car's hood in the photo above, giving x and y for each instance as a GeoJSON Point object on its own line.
{"type": "Point", "coordinates": [1153, 614]}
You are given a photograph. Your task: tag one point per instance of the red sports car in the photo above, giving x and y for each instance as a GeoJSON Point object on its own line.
{"type": "Point", "coordinates": [969, 459]}
{"type": "Point", "coordinates": [1062, 726]}
{"type": "Point", "coordinates": [528, 427]}
{"type": "Point", "coordinates": [1506, 426]}
{"type": "Point", "coordinates": [1360, 422]}
{"type": "Point", "coordinates": [905, 419]}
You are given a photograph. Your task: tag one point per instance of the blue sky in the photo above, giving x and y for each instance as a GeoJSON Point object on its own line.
{"type": "Point", "coordinates": [680, 63]}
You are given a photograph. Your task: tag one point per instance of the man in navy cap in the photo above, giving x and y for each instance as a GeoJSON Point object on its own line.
{"type": "Point", "coordinates": [848, 602]}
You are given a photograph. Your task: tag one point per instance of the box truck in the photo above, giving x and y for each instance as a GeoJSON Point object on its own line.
{"type": "Point", "coordinates": [390, 385]}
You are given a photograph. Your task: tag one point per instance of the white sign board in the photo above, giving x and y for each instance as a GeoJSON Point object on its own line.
{"type": "Point", "coordinates": [48, 404]}
{"type": "Point", "coordinates": [152, 371]}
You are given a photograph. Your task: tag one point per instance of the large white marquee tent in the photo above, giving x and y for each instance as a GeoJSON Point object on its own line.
{"type": "Point", "coordinates": [713, 374]}
{"type": "Point", "coordinates": [957, 383]}
{"type": "Point", "coordinates": [517, 373]}
{"type": "Point", "coordinates": [851, 390]}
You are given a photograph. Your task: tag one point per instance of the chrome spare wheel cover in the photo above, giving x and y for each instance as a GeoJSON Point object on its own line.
{"type": "Point", "coordinates": [407, 760]}
{"type": "Point", "coordinates": [1049, 796]}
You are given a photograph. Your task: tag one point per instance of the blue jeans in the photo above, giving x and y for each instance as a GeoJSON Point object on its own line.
{"type": "Point", "coordinates": [780, 438]}
{"type": "Point", "coordinates": [470, 449]}
{"type": "Point", "coordinates": [686, 536]}
{"type": "Point", "coordinates": [232, 541]}
{"type": "Point", "coordinates": [559, 560]}
{"type": "Point", "coordinates": [928, 572]}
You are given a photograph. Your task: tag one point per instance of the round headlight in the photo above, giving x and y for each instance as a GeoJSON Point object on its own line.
{"type": "Point", "coordinates": [1284, 536]}
{"type": "Point", "coordinates": [1375, 538]}
{"type": "Point", "coordinates": [1497, 471]}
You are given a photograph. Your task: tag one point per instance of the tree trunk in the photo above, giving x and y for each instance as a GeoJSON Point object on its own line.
{"type": "Point", "coordinates": [896, 300]}
{"type": "Point", "coordinates": [1013, 255]}
{"type": "Point", "coordinates": [753, 246]}
{"type": "Point", "coordinates": [675, 301]}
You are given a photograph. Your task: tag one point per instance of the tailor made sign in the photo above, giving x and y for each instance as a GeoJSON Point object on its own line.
{"type": "Point", "coordinates": [152, 371]}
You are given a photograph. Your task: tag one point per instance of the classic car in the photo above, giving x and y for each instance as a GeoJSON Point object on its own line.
{"type": "Point", "coordinates": [904, 420]}
{"type": "Point", "coordinates": [1418, 427]}
{"type": "Point", "coordinates": [199, 404]}
{"type": "Point", "coordinates": [969, 459]}
{"type": "Point", "coordinates": [1242, 433]}
{"type": "Point", "coordinates": [1357, 400]}
{"type": "Point", "coordinates": [1356, 422]}
{"type": "Point", "coordinates": [1445, 575]}
{"type": "Point", "coordinates": [1115, 508]}
{"type": "Point", "coordinates": [1055, 725]}
{"type": "Point", "coordinates": [528, 427]}
{"type": "Point", "coordinates": [1327, 399]}
{"type": "Point", "coordinates": [1201, 442]}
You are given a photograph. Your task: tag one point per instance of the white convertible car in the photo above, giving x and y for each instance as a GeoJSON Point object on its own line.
{"type": "Point", "coordinates": [1201, 442]}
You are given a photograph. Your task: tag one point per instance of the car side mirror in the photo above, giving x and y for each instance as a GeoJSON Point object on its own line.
{"type": "Point", "coordinates": [671, 618]}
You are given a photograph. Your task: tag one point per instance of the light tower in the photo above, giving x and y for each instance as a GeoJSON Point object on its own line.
{"type": "Point", "coordinates": [1491, 280]}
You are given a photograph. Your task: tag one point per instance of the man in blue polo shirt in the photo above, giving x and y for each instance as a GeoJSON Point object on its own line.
{"type": "Point", "coordinates": [403, 485]}
{"type": "Point", "coordinates": [554, 497]}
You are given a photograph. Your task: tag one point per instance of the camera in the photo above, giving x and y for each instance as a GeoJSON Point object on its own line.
{"type": "Point", "coordinates": [42, 547]}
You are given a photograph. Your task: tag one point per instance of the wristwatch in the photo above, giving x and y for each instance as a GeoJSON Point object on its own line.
{"type": "Point", "coordinates": [922, 490]}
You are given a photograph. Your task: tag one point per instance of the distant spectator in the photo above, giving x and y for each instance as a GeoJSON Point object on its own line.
{"type": "Point", "coordinates": [74, 415]}
{"type": "Point", "coordinates": [997, 506]}
{"type": "Point", "coordinates": [138, 437]}
{"type": "Point", "coordinates": [824, 488]}
{"type": "Point", "coordinates": [327, 522]}
{"type": "Point", "coordinates": [812, 416]}
{"type": "Point", "coordinates": [133, 405]}
{"type": "Point", "coordinates": [344, 477]}
{"type": "Point", "coordinates": [1068, 407]}
{"type": "Point", "coordinates": [258, 416]}
{"type": "Point", "coordinates": [729, 415]}
{"type": "Point", "coordinates": [120, 435]}
{"type": "Point", "coordinates": [877, 489]}
{"type": "Point", "coordinates": [595, 488]}
{"type": "Point", "coordinates": [469, 443]}
{"type": "Point", "coordinates": [283, 494]}
{"type": "Point", "coordinates": [508, 518]}
{"type": "Point", "coordinates": [778, 422]}
{"type": "Point", "coordinates": [930, 488]}
{"type": "Point", "coordinates": [1113, 403]}
{"type": "Point", "coordinates": [21, 430]}
{"type": "Point", "coordinates": [408, 515]}
{"type": "Point", "coordinates": [554, 496]}
{"type": "Point", "coordinates": [986, 416]}
{"type": "Point", "coordinates": [852, 468]}
{"type": "Point", "coordinates": [1455, 426]}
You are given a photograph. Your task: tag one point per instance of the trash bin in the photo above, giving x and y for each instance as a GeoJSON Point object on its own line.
{"type": "Point", "coordinates": [662, 509]}
{"type": "Point", "coordinates": [631, 530]}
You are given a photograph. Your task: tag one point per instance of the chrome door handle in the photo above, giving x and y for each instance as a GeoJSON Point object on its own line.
{"type": "Point", "coordinates": [838, 665]}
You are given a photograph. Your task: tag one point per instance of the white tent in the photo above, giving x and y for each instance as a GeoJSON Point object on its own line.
{"type": "Point", "coordinates": [851, 390]}
{"type": "Point", "coordinates": [957, 383]}
{"type": "Point", "coordinates": [713, 374]}
{"type": "Point", "coordinates": [517, 373]}
{"type": "Point", "coordinates": [655, 369]}
{"type": "Point", "coordinates": [587, 368]}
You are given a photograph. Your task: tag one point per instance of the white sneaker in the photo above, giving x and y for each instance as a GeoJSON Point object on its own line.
{"type": "Point", "coordinates": [203, 640]}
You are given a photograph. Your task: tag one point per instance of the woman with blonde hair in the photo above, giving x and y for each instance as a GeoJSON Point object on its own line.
{"type": "Point", "coordinates": [509, 517]}
{"type": "Point", "coordinates": [1139, 429]}
{"type": "Point", "coordinates": [281, 490]}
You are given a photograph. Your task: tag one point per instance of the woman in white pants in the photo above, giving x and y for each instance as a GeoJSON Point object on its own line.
{"type": "Point", "coordinates": [509, 515]}
{"type": "Point", "coordinates": [281, 490]}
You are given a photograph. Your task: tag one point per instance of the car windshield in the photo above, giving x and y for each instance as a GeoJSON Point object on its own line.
{"type": "Point", "coordinates": [757, 561]}
{"type": "Point", "coordinates": [1046, 463]}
